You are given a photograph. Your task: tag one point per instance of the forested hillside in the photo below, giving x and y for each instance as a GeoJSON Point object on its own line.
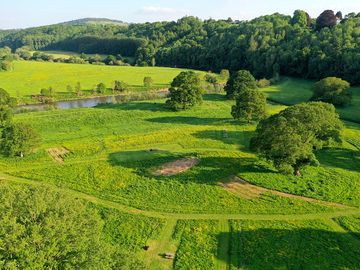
{"type": "Point", "coordinates": [268, 46]}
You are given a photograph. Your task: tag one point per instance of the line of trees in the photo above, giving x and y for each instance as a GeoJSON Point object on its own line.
{"type": "Point", "coordinates": [47, 94]}
{"type": "Point", "coordinates": [327, 46]}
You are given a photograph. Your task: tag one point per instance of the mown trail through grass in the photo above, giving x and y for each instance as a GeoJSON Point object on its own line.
{"type": "Point", "coordinates": [154, 257]}
{"type": "Point", "coordinates": [348, 211]}
{"type": "Point", "coordinates": [223, 251]}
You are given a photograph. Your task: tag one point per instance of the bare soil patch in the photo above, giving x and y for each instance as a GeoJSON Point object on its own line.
{"type": "Point", "coordinates": [176, 167]}
{"type": "Point", "coordinates": [58, 154]}
{"type": "Point", "coordinates": [243, 189]}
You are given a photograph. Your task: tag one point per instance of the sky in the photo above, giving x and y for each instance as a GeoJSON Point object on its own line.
{"type": "Point", "coordinates": [29, 13]}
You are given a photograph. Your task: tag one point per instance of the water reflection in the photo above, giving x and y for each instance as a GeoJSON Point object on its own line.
{"type": "Point", "coordinates": [90, 102]}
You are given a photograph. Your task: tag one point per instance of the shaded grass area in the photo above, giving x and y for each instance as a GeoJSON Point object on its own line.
{"type": "Point", "coordinates": [130, 231]}
{"type": "Point", "coordinates": [290, 91]}
{"type": "Point", "coordinates": [292, 245]}
{"type": "Point", "coordinates": [350, 224]}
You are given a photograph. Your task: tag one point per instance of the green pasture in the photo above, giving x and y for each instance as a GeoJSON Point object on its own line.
{"type": "Point", "coordinates": [68, 54]}
{"type": "Point", "coordinates": [114, 150]}
{"type": "Point", "coordinates": [29, 77]}
{"type": "Point", "coordinates": [290, 91]}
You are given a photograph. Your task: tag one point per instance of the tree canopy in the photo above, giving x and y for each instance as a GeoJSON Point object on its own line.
{"type": "Point", "coordinates": [289, 138]}
{"type": "Point", "coordinates": [326, 19]}
{"type": "Point", "coordinates": [5, 98]}
{"type": "Point", "coordinates": [301, 18]}
{"type": "Point", "coordinates": [6, 104]}
{"type": "Point", "coordinates": [241, 81]}
{"type": "Point", "coordinates": [44, 229]}
{"type": "Point", "coordinates": [6, 115]}
{"type": "Point", "coordinates": [101, 88]}
{"type": "Point", "coordinates": [267, 45]}
{"type": "Point", "coordinates": [148, 82]}
{"type": "Point", "coordinates": [250, 106]}
{"type": "Point", "coordinates": [185, 91]}
{"type": "Point", "coordinates": [18, 139]}
{"type": "Point", "coordinates": [332, 90]}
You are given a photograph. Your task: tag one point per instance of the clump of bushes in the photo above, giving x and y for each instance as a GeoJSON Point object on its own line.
{"type": "Point", "coordinates": [332, 90]}
{"type": "Point", "coordinates": [263, 83]}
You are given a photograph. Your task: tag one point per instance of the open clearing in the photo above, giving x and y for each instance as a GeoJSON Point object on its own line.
{"type": "Point", "coordinates": [29, 77]}
{"type": "Point", "coordinates": [258, 219]}
{"type": "Point", "coordinates": [176, 167]}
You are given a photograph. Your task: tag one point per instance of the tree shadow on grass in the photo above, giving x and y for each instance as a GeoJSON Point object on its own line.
{"type": "Point", "coordinates": [241, 138]}
{"type": "Point", "coordinates": [188, 120]}
{"type": "Point", "coordinates": [306, 248]}
{"type": "Point", "coordinates": [137, 106]}
{"type": "Point", "coordinates": [214, 97]}
{"type": "Point", "coordinates": [346, 159]}
{"type": "Point", "coordinates": [209, 170]}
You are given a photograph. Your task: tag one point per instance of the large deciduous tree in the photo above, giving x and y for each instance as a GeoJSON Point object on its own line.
{"type": "Point", "coordinates": [148, 82]}
{"type": "Point", "coordinates": [332, 90]}
{"type": "Point", "coordinates": [250, 106]}
{"type": "Point", "coordinates": [101, 88]}
{"type": "Point", "coordinates": [289, 138]}
{"type": "Point", "coordinates": [6, 104]}
{"type": "Point", "coordinates": [242, 80]}
{"type": "Point", "coordinates": [185, 91]}
{"type": "Point", "coordinates": [44, 229]}
{"type": "Point", "coordinates": [4, 97]}
{"type": "Point", "coordinates": [18, 139]}
{"type": "Point", "coordinates": [301, 18]}
{"type": "Point", "coordinates": [6, 115]}
{"type": "Point", "coordinates": [326, 19]}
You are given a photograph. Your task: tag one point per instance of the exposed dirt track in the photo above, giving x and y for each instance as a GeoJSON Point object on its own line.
{"type": "Point", "coordinates": [58, 154]}
{"type": "Point", "coordinates": [176, 167]}
{"type": "Point", "coordinates": [244, 189]}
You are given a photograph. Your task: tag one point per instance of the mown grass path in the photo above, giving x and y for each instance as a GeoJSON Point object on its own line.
{"type": "Point", "coordinates": [164, 244]}
{"type": "Point", "coordinates": [223, 256]}
{"type": "Point", "coordinates": [345, 211]}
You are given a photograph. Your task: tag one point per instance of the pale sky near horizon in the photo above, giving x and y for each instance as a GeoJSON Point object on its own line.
{"type": "Point", "coordinates": [25, 13]}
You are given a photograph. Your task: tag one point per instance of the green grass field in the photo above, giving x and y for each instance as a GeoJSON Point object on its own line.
{"type": "Point", "coordinates": [29, 77]}
{"type": "Point", "coordinates": [195, 214]}
{"type": "Point", "coordinates": [68, 54]}
{"type": "Point", "coordinates": [290, 91]}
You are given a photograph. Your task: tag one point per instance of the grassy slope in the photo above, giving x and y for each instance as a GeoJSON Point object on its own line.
{"type": "Point", "coordinates": [291, 91]}
{"type": "Point", "coordinates": [109, 159]}
{"type": "Point", "coordinates": [29, 77]}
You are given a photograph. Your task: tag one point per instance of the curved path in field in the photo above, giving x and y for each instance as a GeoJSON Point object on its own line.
{"type": "Point", "coordinates": [342, 212]}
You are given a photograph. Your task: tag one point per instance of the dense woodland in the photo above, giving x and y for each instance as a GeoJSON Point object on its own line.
{"type": "Point", "coordinates": [267, 46]}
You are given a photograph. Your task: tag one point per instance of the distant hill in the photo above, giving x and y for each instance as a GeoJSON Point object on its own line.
{"type": "Point", "coordinates": [86, 21]}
